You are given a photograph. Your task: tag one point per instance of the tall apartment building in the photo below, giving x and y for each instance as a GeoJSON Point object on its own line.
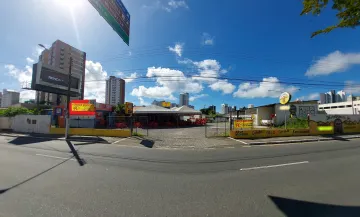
{"type": "Point", "coordinates": [115, 91]}
{"type": "Point", "coordinates": [58, 56]}
{"type": "Point", "coordinates": [0, 98]}
{"type": "Point", "coordinates": [184, 99]}
{"type": "Point", "coordinates": [9, 98]}
{"type": "Point", "coordinates": [212, 108]}
{"type": "Point", "coordinates": [332, 97]}
{"type": "Point", "coordinates": [224, 109]}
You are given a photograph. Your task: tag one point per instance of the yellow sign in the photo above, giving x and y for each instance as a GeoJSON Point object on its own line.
{"type": "Point", "coordinates": [285, 98]}
{"type": "Point", "coordinates": [239, 124]}
{"type": "Point", "coordinates": [83, 107]}
{"type": "Point", "coordinates": [128, 108]}
{"type": "Point", "coordinates": [166, 104]}
{"type": "Point", "coordinates": [284, 108]}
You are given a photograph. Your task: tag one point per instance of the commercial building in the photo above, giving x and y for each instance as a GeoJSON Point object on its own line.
{"type": "Point", "coordinates": [9, 98]}
{"type": "Point", "coordinates": [115, 91]}
{"type": "Point", "coordinates": [341, 108]}
{"type": "Point", "coordinates": [184, 99]}
{"type": "Point", "coordinates": [332, 97]}
{"type": "Point", "coordinates": [58, 57]}
{"type": "Point", "coordinates": [212, 108]}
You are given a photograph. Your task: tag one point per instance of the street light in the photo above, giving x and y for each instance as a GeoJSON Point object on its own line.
{"type": "Point", "coordinates": [41, 45]}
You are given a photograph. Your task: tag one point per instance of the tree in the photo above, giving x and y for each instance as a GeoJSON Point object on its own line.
{"type": "Point", "coordinates": [120, 109]}
{"type": "Point", "coordinates": [348, 13]}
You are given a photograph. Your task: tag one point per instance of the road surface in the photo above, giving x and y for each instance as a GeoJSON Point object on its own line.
{"type": "Point", "coordinates": [40, 178]}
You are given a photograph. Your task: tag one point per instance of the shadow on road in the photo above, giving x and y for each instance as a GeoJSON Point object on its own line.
{"type": "Point", "coordinates": [25, 140]}
{"type": "Point", "coordinates": [147, 143]}
{"type": "Point", "coordinates": [33, 177]}
{"type": "Point", "coordinates": [298, 208]}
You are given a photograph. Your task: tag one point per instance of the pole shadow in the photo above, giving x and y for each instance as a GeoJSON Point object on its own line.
{"type": "Point", "coordinates": [298, 208]}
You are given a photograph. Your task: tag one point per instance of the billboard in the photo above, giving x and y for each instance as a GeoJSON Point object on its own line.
{"type": "Point", "coordinates": [49, 79]}
{"type": "Point", "coordinates": [116, 15]}
{"type": "Point", "coordinates": [128, 108]}
{"type": "Point", "coordinates": [240, 124]}
{"type": "Point", "coordinates": [82, 107]}
{"type": "Point", "coordinates": [166, 104]}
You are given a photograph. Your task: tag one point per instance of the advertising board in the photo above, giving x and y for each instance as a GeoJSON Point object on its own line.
{"type": "Point", "coordinates": [116, 15]}
{"type": "Point", "coordinates": [240, 124]}
{"type": "Point", "coordinates": [49, 79]}
{"type": "Point", "coordinates": [128, 108]}
{"type": "Point", "coordinates": [82, 107]}
{"type": "Point", "coordinates": [285, 98]}
{"type": "Point", "coordinates": [166, 104]}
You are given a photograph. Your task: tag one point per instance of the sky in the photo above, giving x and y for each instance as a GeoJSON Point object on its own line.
{"type": "Point", "coordinates": [234, 52]}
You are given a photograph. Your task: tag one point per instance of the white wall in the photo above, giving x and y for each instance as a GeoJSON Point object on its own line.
{"type": "Point", "coordinates": [32, 123]}
{"type": "Point", "coordinates": [5, 123]}
{"type": "Point", "coordinates": [302, 110]}
{"type": "Point", "coordinates": [264, 113]}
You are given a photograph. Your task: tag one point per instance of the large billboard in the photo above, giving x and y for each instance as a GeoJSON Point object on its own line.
{"type": "Point", "coordinates": [82, 107]}
{"type": "Point", "coordinates": [47, 78]}
{"type": "Point", "coordinates": [116, 15]}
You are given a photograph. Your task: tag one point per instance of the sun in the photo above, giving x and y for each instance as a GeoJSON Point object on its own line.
{"type": "Point", "coordinates": [70, 3]}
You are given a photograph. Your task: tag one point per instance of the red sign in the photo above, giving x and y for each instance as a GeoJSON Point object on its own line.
{"type": "Point", "coordinates": [82, 107]}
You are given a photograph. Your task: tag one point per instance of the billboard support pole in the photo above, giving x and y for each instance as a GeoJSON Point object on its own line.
{"type": "Point", "coordinates": [68, 102]}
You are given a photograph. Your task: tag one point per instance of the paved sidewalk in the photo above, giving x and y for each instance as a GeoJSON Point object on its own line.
{"type": "Point", "coordinates": [298, 139]}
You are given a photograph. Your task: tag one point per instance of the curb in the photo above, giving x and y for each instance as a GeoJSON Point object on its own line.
{"type": "Point", "coordinates": [302, 140]}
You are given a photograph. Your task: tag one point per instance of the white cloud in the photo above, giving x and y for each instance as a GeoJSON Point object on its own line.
{"type": "Point", "coordinates": [27, 94]}
{"type": "Point", "coordinates": [142, 101]}
{"type": "Point", "coordinates": [177, 49]}
{"type": "Point", "coordinates": [156, 92]}
{"type": "Point", "coordinates": [209, 70]}
{"type": "Point", "coordinates": [224, 86]}
{"type": "Point", "coordinates": [313, 96]}
{"type": "Point", "coordinates": [207, 39]}
{"type": "Point", "coordinates": [333, 63]}
{"type": "Point", "coordinates": [29, 60]}
{"type": "Point", "coordinates": [268, 87]}
{"type": "Point", "coordinates": [172, 4]}
{"type": "Point", "coordinates": [95, 81]}
{"type": "Point", "coordinates": [351, 87]}
{"type": "Point", "coordinates": [24, 75]}
{"type": "Point", "coordinates": [193, 98]}
{"type": "Point", "coordinates": [131, 77]}
{"type": "Point", "coordinates": [168, 82]}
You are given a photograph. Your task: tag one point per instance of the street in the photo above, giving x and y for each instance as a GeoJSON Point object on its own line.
{"type": "Point", "coordinates": [40, 178]}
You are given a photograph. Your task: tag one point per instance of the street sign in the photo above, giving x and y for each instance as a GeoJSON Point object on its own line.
{"type": "Point", "coordinates": [128, 108]}
{"type": "Point", "coordinates": [116, 15]}
{"type": "Point", "coordinates": [285, 98]}
{"type": "Point", "coordinates": [240, 124]}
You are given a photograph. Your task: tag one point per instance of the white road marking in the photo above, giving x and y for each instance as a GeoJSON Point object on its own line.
{"type": "Point", "coordinates": [276, 165]}
{"type": "Point", "coordinates": [120, 140]}
{"type": "Point", "coordinates": [238, 141]}
{"type": "Point", "coordinates": [50, 156]}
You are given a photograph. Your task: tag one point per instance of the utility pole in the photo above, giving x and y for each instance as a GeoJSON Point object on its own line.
{"type": "Point", "coordinates": [71, 146]}
{"type": "Point", "coordinates": [68, 102]}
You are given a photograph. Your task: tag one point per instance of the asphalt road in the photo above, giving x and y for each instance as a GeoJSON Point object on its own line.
{"type": "Point", "coordinates": [39, 178]}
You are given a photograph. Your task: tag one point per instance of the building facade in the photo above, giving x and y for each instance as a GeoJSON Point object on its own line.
{"type": "Point", "coordinates": [9, 98]}
{"type": "Point", "coordinates": [58, 56]}
{"type": "Point", "coordinates": [341, 108]}
{"type": "Point", "coordinates": [224, 109]}
{"type": "Point", "coordinates": [115, 91]}
{"type": "Point", "coordinates": [184, 99]}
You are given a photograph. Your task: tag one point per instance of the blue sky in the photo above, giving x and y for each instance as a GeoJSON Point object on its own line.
{"type": "Point", "coordinates": [244, 41]}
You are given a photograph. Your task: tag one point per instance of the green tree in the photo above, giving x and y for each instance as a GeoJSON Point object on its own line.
{"type": "Point", "coordinates": [120, 109]}
{"type": "Point", "coordinates": [348, 13]}
{"type": "Point", "coordinates": [13, 111]}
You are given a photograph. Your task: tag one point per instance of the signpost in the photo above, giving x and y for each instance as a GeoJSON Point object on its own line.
{"type": "Point", "coordinates": [284, 99]}
{"type": "Point", "coordinates": [128, 108]}
{"type": "Point", "coordinates": [116, 15]}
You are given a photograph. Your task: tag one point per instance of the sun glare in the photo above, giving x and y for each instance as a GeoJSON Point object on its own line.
{"type": "Point", "coordinates": [70, 3]}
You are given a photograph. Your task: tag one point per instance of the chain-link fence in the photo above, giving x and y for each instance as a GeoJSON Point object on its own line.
{"type": "Point", "coordinates": [218, 127]}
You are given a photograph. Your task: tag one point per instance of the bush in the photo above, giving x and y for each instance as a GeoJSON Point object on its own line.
{"type": "Point", "coordinates": [12, 112]}
{"type": "Point", "coordinates": [296, 123]}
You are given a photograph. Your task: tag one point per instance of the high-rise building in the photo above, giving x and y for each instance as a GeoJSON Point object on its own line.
{"type": "Point", "coordinates": [184, 99]}
{"type": "Point", "coordinates": [0, 98]}
{"type": "Point", "coordinates": [9, 98]}
{"type": "Point", "coordinates": [340, 96]}
{"type": "Point", "coordinates": [322, 98]}
{"type": "Point", "coordinates": [212, 108]}
{"type": "Point", "coordinates": [58, 56]}
{"type": "Point", "coordinates": [115, 91]}
{"type": "Point", "coordinates": [224, 109]}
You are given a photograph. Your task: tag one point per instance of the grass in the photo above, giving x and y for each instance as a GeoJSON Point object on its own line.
{"type": "Point", "coordinates": [295, 123]}
{"type": "Point", "coordinates": [138, 134]}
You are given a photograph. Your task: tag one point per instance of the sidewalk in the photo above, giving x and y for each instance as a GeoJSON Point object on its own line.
{"type": "Point", "coordinates": [298, 139]}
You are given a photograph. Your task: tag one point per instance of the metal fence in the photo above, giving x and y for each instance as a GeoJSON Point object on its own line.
{"type": "Point", "coordinates": [217, 128]}
{"type": "Point", "coordinates": [138, 125]}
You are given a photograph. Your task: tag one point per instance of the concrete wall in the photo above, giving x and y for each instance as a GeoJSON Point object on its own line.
{"type": "Point", "coordinates": [264, 113]}
{"type": "Point", "coordinates": [302, 110]}
{"type": "Point", "coordinates": [5, 123]}
{"type": "Point", "coordinates": [31, 123]}
{"type": "Point", "coordinates": [342, 111]}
